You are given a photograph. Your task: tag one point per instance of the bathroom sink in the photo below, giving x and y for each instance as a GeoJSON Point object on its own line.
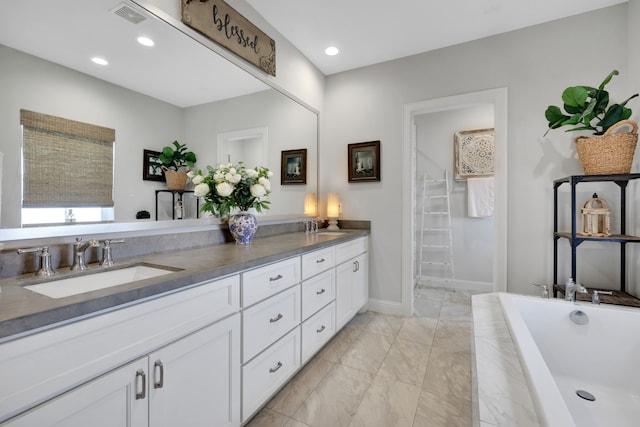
{"type": "Point", "coordinates": [331, 233]}
{"type": "Point", "coordinates": [98, 279]}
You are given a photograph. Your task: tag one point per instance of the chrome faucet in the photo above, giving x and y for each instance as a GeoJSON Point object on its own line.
{"type": "Point", "coordinates": [45, 260]}
{"type": "Point", "coordinates": [595, 297]}
{"type": "Point", "coordinates": [107, 259]}
{"type": "Point", "coordinates": [79, 249]}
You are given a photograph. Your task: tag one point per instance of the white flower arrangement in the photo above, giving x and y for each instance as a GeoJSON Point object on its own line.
{"type": "Point", "coordinates": [230, 187]}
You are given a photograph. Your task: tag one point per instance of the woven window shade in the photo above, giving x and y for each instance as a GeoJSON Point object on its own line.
{"type": "Point", "coordinates": [66, 163]}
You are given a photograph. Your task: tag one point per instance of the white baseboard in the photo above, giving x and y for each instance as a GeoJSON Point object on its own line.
{"type": "Point", "coordinates": [386, 307]}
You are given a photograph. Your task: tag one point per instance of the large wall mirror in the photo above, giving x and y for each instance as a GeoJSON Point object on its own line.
{"type": "Point", "coordinates": [178, 89]}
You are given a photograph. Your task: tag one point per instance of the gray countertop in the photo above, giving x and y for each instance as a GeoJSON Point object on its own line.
{"type": "Point", "coordinates": [23, 311]}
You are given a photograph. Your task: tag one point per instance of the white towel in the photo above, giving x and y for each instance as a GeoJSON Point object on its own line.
{"type": "Point", "coordinates": [480, 194]}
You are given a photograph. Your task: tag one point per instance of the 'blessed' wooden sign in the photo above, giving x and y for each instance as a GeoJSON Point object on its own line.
{"type": "Point", "coordinates": [225, 26]}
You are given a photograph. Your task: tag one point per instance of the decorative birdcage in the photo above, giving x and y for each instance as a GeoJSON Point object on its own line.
{"type": "Point", "coordinates": [596, 218]}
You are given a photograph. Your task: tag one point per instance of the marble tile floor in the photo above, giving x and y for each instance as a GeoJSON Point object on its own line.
{"type": "Point", "coordinates": [386, 371]}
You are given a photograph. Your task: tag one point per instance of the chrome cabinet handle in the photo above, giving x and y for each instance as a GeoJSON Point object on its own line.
{"type": "Point", "coordinates": [158, 366]}
{"type": "Point", "coordinates": [275, 319]}
{"type": "Point", "coordinates": [275, 368]}
{"type": "Point", "coordinates": [322, 328]}
{"type": "Point", "coordinates": [320, 292]}
{"type": "Point", "coordinates": [355, 266]}
{"type": "Point", "coordinates": [273, 279]}
{"type": "Point", "coordinates": [321, 260]}
{"type": "Point", "coordinates": [141, 377]}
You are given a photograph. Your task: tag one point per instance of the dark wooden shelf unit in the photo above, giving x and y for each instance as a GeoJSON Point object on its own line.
{"type": "Point", "coordinates": [622, 180]}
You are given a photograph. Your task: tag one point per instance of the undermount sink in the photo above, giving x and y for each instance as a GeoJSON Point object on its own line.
{"type": "Point", "coordinates": [98, 279]}
{"type": "Point", "coordinates": [331, 233]}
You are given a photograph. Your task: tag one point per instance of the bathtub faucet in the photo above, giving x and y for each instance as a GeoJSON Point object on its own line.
{"type": "Point", "coordinates": [545, 289]}
{"type": "Point", "coordinates": [595, 297]}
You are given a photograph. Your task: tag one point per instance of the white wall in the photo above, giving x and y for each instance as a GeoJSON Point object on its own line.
{"type": "Point", "coordinates": [472, 237]}
{"type": "Point", "coordinates": [535, 64]}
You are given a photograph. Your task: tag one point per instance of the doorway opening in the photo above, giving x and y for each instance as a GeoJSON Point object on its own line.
{"type": "Point", "coordinates": [413, 113]}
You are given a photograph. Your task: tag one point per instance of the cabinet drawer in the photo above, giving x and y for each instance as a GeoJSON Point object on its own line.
{"type": "Point", "coordinates": [317, 330]}
{"type": "Point", "coordinates": [265, 281]}
{"type": "Point", "coordinates": [318, 261]}
{"type": "Point", "coordinates": [267, 372]}
{"type": "Point", "coordinates": [318, 292]}
{"type": "Point", "coordinates": [348, 250]}
{"type": "Point", "coordinates": [267, 321]}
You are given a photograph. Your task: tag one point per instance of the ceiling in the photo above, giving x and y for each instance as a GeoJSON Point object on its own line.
{"type": "Point", "coordinates": [372, 31]}
{"type": "Point", "coordinates": [183, 73]}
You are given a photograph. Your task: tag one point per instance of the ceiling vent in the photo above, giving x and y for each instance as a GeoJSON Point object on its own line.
{"type": "Point", "coordinates": [127, 12]}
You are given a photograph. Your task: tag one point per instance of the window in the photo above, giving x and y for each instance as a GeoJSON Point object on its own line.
{"type": "Point", "coordinates": [66, 164]}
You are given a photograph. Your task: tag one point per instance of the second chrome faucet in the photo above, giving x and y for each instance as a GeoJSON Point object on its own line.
{"type": "Point", "coordinates": [79, 250]}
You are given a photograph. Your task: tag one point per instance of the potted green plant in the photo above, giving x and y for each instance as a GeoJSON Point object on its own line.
{"type": "Point", "coordinates": [611, 148]}
{"type": "Point", "coordinates": [176, 162]}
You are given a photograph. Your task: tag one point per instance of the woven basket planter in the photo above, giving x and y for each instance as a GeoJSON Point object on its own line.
{"type": "Point", "coordinates": [611, 153]}
{"type": "Point", "coordinates": [175, 180]}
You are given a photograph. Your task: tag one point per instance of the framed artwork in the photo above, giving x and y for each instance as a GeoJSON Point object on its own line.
{"type": "Point", "coordinates": [151, 166]}
{"type": "Point", "coordinates": [364, 161]}
{"type": "Point", "coordinates": [294, 167]}
{"type": "Point", "coordinates": [474, 153]}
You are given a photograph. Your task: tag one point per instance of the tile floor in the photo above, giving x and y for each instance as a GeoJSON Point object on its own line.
{"type": "Point", "coordinates": [386, 371]}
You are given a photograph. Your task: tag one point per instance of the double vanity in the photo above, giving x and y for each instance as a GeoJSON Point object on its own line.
{"type": "Point", "coordinates": [208, 343]}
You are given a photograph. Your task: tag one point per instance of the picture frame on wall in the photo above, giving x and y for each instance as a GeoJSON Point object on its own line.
{"type": "Point", "coordinates": [293, 169]}
{"type": "Point", "coordinates": [152, 166]}
{"type": "Point", "coordinates": [364, 161]}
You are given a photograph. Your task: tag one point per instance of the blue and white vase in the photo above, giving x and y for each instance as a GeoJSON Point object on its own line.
{"type": "Point", "coordinates": [243, 226]}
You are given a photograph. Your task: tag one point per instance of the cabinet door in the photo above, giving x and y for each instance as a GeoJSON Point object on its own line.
{"type": "Point", "coordinates": [195, 381]}
{"type": "Point", "coordinates": [352, 288]}
{"type": "Point", "coordinates": [344, 293]}
{"type": "Point", "coordinates": [115, 399]}
{"type": "Point", "coordinates": [360, 283]}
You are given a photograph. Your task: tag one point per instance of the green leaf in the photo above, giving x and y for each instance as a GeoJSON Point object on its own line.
{"type": "Point", "coordinates": [554, 114]}
{"type": "Point", "coordinates": [628, 99]}
{"type": "Point", "coordinates": [613, 116]}
{"type": "Point", "coordinates": [573, 120]}
{"type": "Point", "coordinates": [608, 78]}
{"type": "Point", "coordinates": [575, 96]}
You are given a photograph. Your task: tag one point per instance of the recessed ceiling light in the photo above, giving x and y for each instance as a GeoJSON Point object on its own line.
{"type": "Point", "coordinates": [145, 41]}
{"type": "Point", "coordinates": [100, 61]}
{"type": "Point", "coordinates": [331, 51]}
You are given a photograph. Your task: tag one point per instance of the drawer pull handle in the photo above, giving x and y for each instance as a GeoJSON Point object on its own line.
{"type": "Point", "coordinates": [275, 368]}
{"type": "Point", "coordinates": [141, 377]}
{"type": "Point", "coordinates": [320, 292]}
{"type": "Point", "coordinates": [356, 266]}
{"type": "Point", "coordinates": [273, 279]}
{"type": "Point", "coordinates": [321, 260]}
{"type": "Point", "coordinates": [275, 319]}
{"type": "Point", "coordinates": [157, 365]}
{"type": "Point", "coordinates": [322, 328]}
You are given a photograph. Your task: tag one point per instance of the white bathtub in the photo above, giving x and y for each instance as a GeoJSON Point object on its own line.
{"type": "Point", "coordinates": [559, 357]}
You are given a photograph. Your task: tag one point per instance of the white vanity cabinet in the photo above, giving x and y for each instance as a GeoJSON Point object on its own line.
{"type": "Point", "coordinates": [210, 354]}
{"type": "Point", "coordinates": [83, 371]}
{"type": "Point", "coordinates": [352, 279]}
{"type": "Point", "coordinates": [193, 381]}
{"type": "Point", "coordinates": [270, 330]}
{"type": "Point", "coordinates": [318, 300]}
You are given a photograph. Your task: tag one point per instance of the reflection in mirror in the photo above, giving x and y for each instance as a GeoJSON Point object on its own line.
{"type": "Point", "coordinates": [250, 146]}
{"type": "Point", "coordinates": [178, 89]}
